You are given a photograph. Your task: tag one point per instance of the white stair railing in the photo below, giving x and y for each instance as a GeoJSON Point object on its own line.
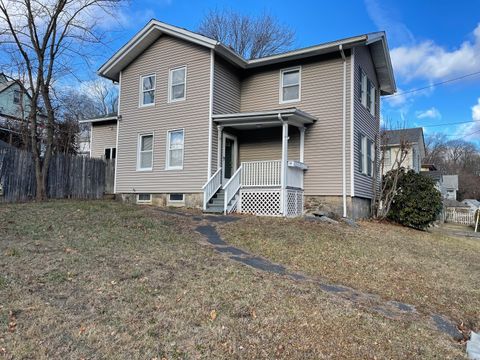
{"type": "Point", "coordinates": [211, 187]}
{"type": "Point", "coordinates": [231, 188]}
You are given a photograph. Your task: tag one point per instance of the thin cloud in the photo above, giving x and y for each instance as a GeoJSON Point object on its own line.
{"type": "Point", "coordinates": [431, 113]}
{"type": "Point", "coordinates": [471, 131]}
{"type": "Point", "coordinates": [428, 60]}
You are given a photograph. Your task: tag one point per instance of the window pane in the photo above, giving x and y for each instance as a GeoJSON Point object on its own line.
{"type": "Point", "coordinates": [178, 76]}
{"type": "Point", "coordinates": [178, 91]}
{"type": "Point", "coordinates": [146, 160]}
{"type": "Point", "coordinates": [148, 97]}
{"type": "Point", "coordinates": [107, 154]}
{"type": "Point", "coordinates": [291, 78]}
{"type": "Point", "coordinates": [290, 93]}
{"type": "Point", "coordinates": [144, 197]}
{"type": "Point", "coordinates": [147, 143]}
{"type": "Point", "coordinates": [148, 82]}
{"type": "Point", "coordinates": [176, 197]}
{"type": "Point", "coordinates": [176, 158]}
{"type": "Point", "coordinates": [114, 153]}
{"type": "Point", "coordinates": [176, 140]}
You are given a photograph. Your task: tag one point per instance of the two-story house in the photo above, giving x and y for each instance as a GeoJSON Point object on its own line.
{"type": "Point", "coordinates": [198, 125]}
{"type": "Point", "coordinates": [14, 107]}
{"type": "Point", "coordinates": [410, 141]}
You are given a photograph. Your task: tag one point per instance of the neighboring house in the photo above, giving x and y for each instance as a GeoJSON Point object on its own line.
{"type": "Point", "coordinates": [198, 125]}
{"type": "Point", "coordinates": [472, 203]}
{"type": "Point", "coordinates": [14, 109]}
{"type": "Point", "coordinates": [446, 184]}
{"type": "Point", "coordinates": [83, 142]}
{"type": "Point", "coordinates": [450, 186]}
{"type": "Point", "coordinates": [410, 139]}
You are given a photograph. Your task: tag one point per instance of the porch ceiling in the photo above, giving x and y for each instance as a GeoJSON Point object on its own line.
{"type": "Point", "coordinates": [264, 119]}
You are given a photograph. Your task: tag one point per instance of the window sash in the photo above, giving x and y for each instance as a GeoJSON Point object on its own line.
{"type": "Point", "coordinates": [363, 87]}
{"type": "Point", "coordinates": [387, 157]}
{"type": "Point", "coordinates": [176, 141]}
{"type": "Point", "coordinates": [16, 97]}
{"type": "Point", "coordinates": [148, 89]}
{"type": "Point", "coordinates": [290, 83]}
{"type": "Point", "coordinates": [178, 84]}
{"type": "Point", "coordinates": [364, 155]}
{"type": "Point", "coordinates": [145, 155]}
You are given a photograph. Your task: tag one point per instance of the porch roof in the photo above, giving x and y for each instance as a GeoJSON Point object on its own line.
{"type": "Point", "coordinates": [263, 119]}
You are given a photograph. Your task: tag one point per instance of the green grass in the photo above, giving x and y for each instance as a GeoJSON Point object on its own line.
{"type": "Point", "coordinates": [106, 280]}
{"type": "Point", "coordinates": [434, 272]}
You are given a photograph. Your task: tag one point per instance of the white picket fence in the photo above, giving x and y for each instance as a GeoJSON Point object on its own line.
{"type": "Point", "coordinates": [459, 217]}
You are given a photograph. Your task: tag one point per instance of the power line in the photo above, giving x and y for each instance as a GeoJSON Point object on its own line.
{"type": "Point", "coordinates": [454, 123]}
{"type": "Point", "coordinates": [465, 135]}
{"type": "Point", "coordinates": [433, 85]}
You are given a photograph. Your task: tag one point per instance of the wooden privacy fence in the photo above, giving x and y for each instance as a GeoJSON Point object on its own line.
{"type": "Point", "coordinates": [69, 176]}
{"type": "Point", "coordinates": [466, 217]}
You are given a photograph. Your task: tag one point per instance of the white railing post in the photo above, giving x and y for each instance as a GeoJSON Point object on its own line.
{"type": "Point", "coordinates": [283, 190]}
{"type": "Point", "coordinates": [211, 187]}
{"type": "Point", "coordinates": [231, 188]}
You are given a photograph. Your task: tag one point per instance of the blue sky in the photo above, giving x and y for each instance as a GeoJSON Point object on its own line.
{"type": "Point", "coordinates": [430, 42]}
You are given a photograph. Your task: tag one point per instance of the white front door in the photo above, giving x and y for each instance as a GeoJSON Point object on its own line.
{"type": "Point", "coordinates": [229, 156]}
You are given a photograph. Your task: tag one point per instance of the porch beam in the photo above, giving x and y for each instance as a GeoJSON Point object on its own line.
{"type": "Point", "coordinates": [302, 143]}
{"type": "Point", "coordinates": [284, 167]}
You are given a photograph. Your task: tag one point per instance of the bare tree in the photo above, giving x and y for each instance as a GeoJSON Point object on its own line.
{"type": "Point", "coordinates": [386, 176]}
{"type": "Point", "coordinates": [48, 36]}
{"type": "Point", "coordinates": [251, 37]}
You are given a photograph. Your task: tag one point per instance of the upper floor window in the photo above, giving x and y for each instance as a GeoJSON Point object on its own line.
{"type": "Point", "coordinates": [177, 84]}
{"type": "Point", "coordinates": [147, 90]}
{"type": "Point", "coordinates": [367, 93]}
{"type": "Point", "coordinates": [16, 96]}
{"type": "Point", "coordinates": [387, 157]}
{"type": "Point", "coordinates": [175, 142]}
{"type": "Point", "coordinates": [145, 152]}
{"type": "Point", "coordinates": [290, 85]}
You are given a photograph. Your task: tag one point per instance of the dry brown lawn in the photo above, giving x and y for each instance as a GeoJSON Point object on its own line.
{"type": "Point", "coordinates": [101, 280]}
{"type": "Point", "coordinates": [435, 272]}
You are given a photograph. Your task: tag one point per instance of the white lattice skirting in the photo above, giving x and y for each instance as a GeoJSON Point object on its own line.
{"type": "Point", "coordinates": [267, 202]}
{"type": "Point", "coordinates": [294, 202]}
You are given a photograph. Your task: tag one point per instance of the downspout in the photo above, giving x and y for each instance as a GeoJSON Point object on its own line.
{"type": "Point", "coordinates": [344, 132]}
{"type": "Point", "coordinates": [119, 116]}
{"type": "Point", "coordinates": [210, 120]}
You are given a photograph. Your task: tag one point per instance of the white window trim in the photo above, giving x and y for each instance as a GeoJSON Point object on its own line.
{"type": "Point", "coordinates": [364, 87]}
{"type": "Point", "coordinates": [167, 161]}
{"type": "Point", "coordinates": [364, 81]}
{"type": "Point", "coordinates": [139, 145]}
{"type": "Point", "coordinates": [149, 201]}
{"type": "Point", "coordinates": [280, 90]}
{"type": "Point", "coordinates": [373, 99]}
{"type": "Point", "coordinates": [141, 91]}
{"type": "Point", "coordinates": [372, 157]}
{"type": "Point", "coordinates": [176, 201]}
{"type": "Point", "coordinates": [111, 148]}
{"type": "Point", "coordinates": [363, 150]}
{"type": "Point", "coordinates": [389, 157]}
{"type": "Point", "coordinates": [170, 84]}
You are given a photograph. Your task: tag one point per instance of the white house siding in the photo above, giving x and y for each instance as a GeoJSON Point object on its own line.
{"type": "Point", "coordinates": [103, 136]}
{"type": "Point", "coordinates": [364, 122]}
{"type": "Point", "coordinates": [192, 115]}
{"type": "Point", "coordinates": [322, 97]}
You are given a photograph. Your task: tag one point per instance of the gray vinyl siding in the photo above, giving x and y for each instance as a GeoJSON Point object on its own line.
{"type": "Point", "coordinates": [364, 122]}
{"type": "Point", "coordinates": [192, 115]}
{"type": "Point", "coordinates": [266, 144]}
{"type": "Point", "coordinates": [321, 96]}
{"type": "Point", "coordinates": [103, 136]}
{"type": "Point", "coordinates": [226, 97]}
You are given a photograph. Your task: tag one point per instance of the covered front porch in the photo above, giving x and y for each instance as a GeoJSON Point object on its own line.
{"type": "Point", "coordinates": [259, 171]}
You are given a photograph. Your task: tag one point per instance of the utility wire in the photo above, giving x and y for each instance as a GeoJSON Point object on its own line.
{"type": "Point", "coordinates": [433, 85]}
{"type": "Point", "coordinates": [454, 123]}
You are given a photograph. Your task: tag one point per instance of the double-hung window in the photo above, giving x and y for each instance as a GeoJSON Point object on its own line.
{"type": "Point", "coordinates": [290, 85]}
{"type": "Point", "coordinates": [145, 152]}
{"type": "Point", "coordinates": [110, 153]}
{"type": "Point", "coordinates": [366, 161]}
{"type": "Point", "coordinates": [147, 90]}
{"type": "Point", "coordinates": [367, 93]}
{"type": "Point", "coordinates": [175, 144]}
{"type": "Point", "coordinates": [16, 96]}
{"type": "Point", "coordinates": [387, 157]}
{"type": "Point", "coordinates": [177, 84]}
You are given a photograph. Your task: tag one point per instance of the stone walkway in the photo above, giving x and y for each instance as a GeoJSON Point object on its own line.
{"type": "Point", "coordinates": [205, 225]}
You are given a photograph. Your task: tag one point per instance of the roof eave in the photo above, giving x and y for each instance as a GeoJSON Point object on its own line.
{"type": "Point", "coordinates": [99, 120]}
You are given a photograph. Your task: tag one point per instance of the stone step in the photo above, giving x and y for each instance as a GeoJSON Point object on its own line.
{"type": "Point", "coordinates": [214, 209]}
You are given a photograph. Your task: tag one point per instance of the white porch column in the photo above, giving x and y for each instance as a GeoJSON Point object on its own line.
{"type": "Point", "coordinates": [284, 167]}
{"type": "Point", "coordinates": [219, 146]}
{"type": "Point", "coordinates": [302, 143]}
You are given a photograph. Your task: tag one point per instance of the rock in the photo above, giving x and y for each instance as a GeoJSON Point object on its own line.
{"type": "Point", "coordinates": [350, 222]}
